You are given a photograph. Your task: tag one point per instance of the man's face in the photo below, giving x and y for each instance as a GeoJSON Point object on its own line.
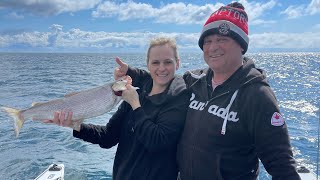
{"type": "Point", "coordinates": [222, 53]}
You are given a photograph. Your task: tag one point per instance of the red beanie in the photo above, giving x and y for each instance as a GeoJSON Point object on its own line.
{"type": "Point", "coordinates": [229, 21]}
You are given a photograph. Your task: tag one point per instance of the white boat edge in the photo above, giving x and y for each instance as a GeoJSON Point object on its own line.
{"type": "Point", "coordinates": [54, 171]}
{"type": "Point", "coordinates": [306, 174]}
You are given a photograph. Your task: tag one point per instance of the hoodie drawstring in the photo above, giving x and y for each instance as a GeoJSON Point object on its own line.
{"type": "Point", "coordinates": [224, 126]}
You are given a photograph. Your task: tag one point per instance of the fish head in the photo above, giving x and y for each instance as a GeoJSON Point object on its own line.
{"type": "Point", "coordinates": [120, 85]}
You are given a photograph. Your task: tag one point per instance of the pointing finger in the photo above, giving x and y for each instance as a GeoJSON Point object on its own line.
{"type": "Point", "coordinates": [119, 62]}
{"type": "Point", "coordinates": [123, 67]}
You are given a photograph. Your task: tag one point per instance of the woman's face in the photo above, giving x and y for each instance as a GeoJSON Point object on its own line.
{"type": "Point", "coordinates": [162, 65]}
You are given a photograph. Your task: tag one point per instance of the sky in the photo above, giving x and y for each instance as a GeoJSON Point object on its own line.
{"type": "Point", "coordinates": [127, 26]}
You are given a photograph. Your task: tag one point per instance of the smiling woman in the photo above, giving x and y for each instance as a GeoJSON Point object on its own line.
{"type": "Point", "coordinates": [147, 126]}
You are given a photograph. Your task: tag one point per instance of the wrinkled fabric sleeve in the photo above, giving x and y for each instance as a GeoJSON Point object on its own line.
{"type": "Point", "coordinates": [272, 142]}
{"type": "Point", "coordinates": [191, 77]}
{"type": "Point", "coordinates": [165, 131]}
{"type": "Point", "coordinates": [139, 76]}
{"type": "Point", "coordinates": [106, 136]}
{"type": "Point", "coordinates": [187, 78]}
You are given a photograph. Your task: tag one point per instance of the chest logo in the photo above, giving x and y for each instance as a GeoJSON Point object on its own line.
{"type": "Point", "coordinates": [213, 109]}
{"type": "Point", "coordinates": [222, 112]}
{"type": "Point", "coordinates": [197, 105]}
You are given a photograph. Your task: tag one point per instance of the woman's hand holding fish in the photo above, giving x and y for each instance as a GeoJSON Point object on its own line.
{"type": "Point", "coordinates": [62, 120]}
{"type": "Point", "coordinates": [131, 96]}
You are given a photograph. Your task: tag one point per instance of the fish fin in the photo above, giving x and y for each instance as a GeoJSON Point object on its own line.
{"type": "Point", "coordinates": [36, 104]}
{"type": "Point", "coordinates": [71, 94]}
{"type": "Point", "coordinates": [17, 117]}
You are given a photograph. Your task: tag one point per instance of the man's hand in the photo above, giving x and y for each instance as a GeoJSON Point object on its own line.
{"type": "Point", "coordinates": [121, 70]}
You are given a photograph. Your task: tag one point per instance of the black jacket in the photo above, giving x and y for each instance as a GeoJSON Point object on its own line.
{"type": "Point", "coordinates": [227, 131]}
{"type": "Point", "coordinates": [147, 137]}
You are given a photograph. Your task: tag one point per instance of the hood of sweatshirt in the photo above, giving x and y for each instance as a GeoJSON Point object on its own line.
{"type": "Point", "coordinates": [246, 74]}
{"type": "Point", "coordinates": [175, 88]}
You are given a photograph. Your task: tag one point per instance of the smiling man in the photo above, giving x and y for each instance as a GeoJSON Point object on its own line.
{"type": "Point", "coordinates": [231, 118]}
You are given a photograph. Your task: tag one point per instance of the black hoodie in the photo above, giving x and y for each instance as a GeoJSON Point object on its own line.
{"type": "Point", "coordinates": [227, 130]}
{"type": "Point", "coordinates": [147, 137]}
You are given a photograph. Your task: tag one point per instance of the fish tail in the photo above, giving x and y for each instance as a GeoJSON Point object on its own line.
{"type": "Point", "coordinates": [17, 117]}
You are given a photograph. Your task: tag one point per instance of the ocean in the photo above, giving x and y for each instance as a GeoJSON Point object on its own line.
{"type": "Point", "coordinates": [37, 77]}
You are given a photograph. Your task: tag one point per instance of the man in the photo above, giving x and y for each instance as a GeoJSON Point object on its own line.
{"type": "Point", "coordinates": [233, 119]}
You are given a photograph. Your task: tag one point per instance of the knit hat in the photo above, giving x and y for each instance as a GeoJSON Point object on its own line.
{"type": "Point", "coordinates": [230, 20]}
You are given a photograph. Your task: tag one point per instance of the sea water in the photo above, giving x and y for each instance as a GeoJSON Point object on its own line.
{"type": "Point", "coordinates": [37, 77]}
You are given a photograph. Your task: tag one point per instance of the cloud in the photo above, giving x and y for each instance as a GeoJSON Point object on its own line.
{"type": "Point", "coordinates": [30, 39]}
{"type": "Point", "coordinates": [314, 7]}
{"type": "Point", "coordinates": [178, 13]}
{"type": "Point", "coordinates": [103, 40]}
{"type": "Point", "coordinates": [181, 13]}
{"type": "Point", "coordinates": [56, 28]}
{"type": "Point", "coordinates": [124, 11]}
{"type": "Point", "coordinates": [294, 12]}
{"type": "Point", "coordinates": [14, 15]}
{"type": "Point", "coordinates": [76, 39]}
{"type": "Point", "coordinates": [47, 8]}
{"type": "Point", "coordinates": [307, 40]}
{"type": "Point", "coordinates": [256, 10]}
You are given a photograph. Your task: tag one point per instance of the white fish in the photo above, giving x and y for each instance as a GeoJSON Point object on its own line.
{"type": "Point", "coordinates": [84, 104]}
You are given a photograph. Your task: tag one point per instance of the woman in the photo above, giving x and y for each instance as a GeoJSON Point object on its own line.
{"type": "Point", "coordinates": [148, 124]}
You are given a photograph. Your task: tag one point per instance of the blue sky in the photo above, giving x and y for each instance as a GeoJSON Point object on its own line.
{"type": "Point", "coordinates": [127, 26]}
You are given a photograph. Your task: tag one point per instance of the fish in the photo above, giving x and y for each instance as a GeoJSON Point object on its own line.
{"type": "Point", "coordinates": [83, 104]}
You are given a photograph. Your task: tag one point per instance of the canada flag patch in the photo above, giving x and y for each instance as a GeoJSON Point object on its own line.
{"type": "Point", "coordinates": [276, 119]}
